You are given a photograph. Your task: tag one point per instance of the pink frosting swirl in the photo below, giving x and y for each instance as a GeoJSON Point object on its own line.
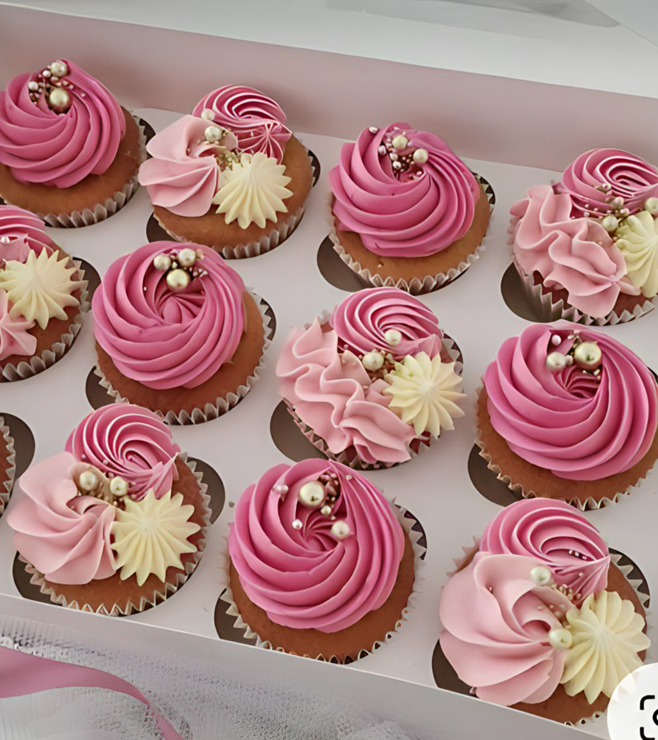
{"type": "Point", "coordinates": [127, 441]}
{"type": "Point", "coordinates": [576, 254]}
{"type": "Point", "coordinates": [333, 394]}
{"type": "Point", "coordinates": [362, 320]}
{"type": "Point", "coordinates": [60, 149]}
{"type": "Point", "coordinates": [183, 174]}
{"type": "Point", "coordinates": [496, 622]}
{"type": "Point", "coordinates": [571, 423]}
{"type": "Point", "coordinates": [166, 339]}
{"type": "Point", "coordinates": [557, 535]}
{"type": "Point", "coordinates": [20, 232]}
{"type": "Point", "coordinates": [623, 174]}
{"type": "Point", "coordinates": [256, 120]}
{"type": "Point", "coordinates": [15, 338]}
{"type": "Point", "coordinates": [306, 578]}
{"type": "Point", "coordinates": [63, 535]}
{"type": "Point", "coordinates": [415, 214]}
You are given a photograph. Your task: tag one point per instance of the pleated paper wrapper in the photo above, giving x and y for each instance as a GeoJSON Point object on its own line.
{"type": "Point", "coordinates": [407, 521]}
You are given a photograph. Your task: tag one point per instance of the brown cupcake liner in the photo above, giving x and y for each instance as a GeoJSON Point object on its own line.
{"type": "Point", "coordinates": [415, 447]}
{"type": "Point", "coordinates": [522, 492]}
{"type": "Point", "coordinates": [8, 484]}
{"type": "Point", "coordinates": [548, 309]}
{"type": "Point", "coordinates": [221, 405]}
{"type": "Point", "coordinates": [145, 602]}
{"type": "Point", "coordinates": [418, 285]}
{"type": "Point", "coordinates": [616, 558]}
{"type": "Point", "coordinates": [279, 233]}
{"type": "Point", "coordinates": [407, 522]}
{"type": "Point", "coordinates": [39, 363]}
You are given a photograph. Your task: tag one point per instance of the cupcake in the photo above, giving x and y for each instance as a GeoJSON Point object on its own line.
{"type": "Point", "coordinates": [568, 413]}
{"type": "Point", "coordinates": [68, 151]}
{"type": "Point", "coordinates": [320, 565]}
{"type": "Point", "coordinates": [7, 464]}
{"type": "Point", "coordinates": [177, 332]}
{"type": "Point", "coordinates": [117, 522]}
{"type": "Point", "coordinates": [374, 383]}
{"type": "Point", "coordinates": [42, 296]}
{"type": "Point", "coordinates": [541, 618]}
{"type": "Point", "coordinates": [407, 212]}
{"type": "Point", "coordinates": [587, 246]}
{"type": "Point", "coordinates": [231, 176]}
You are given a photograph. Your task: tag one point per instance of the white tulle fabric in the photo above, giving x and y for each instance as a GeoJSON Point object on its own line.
{"type": "Point", "coordinates": [197, 698]}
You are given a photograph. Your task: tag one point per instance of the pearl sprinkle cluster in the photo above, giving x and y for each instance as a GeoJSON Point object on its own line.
{"type": "Point", "coordinates": [400, 150]}
{"type": "Point", "coordinates": [50, 84]}
{"type": "Point", "coordinates": [95, 484]}
{"type": "Point", "coordinates": [560, 638]}
{"type": "Point", "coordinates": [380, 362]}
{"type": "Point", "coordinates": [319, 494]}
{"type": "Point", "coordinates": [180, 267]}
{"type": "Point", "coordinates": [586, 355]}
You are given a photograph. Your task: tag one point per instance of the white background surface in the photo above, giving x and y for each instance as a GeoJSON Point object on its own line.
{"type": "Point", "coordinates": [435, 487]}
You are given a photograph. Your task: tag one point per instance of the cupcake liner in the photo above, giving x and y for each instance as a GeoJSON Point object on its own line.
{"type": "Point", "coordinates": [39, 363]}
{"type": "Point", "coordinates": [407, 521]}
{"type": "Point", "coordinates": [280, 232]}
{"type": "Point", "coordinates": [221, 405]}
{"type": "Point", "coordinates": [5, 490]}
{"type": "Point", "coordinates": [622, 562]}
{"type": "Point", "coordinates": [522, 492]}
{"type": "Point", "coordinates": [417, 445]}
{"type": "Point", "coordinates": [416, 286]}
{"type": "Point", "coordinates": [160, 595]}
{"type": "Point", "coordinates": [100, 211]}
{"type": "Point", "coordinates": [548, 309]}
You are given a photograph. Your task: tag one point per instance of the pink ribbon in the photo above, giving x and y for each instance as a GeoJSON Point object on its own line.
{"type": "Point", "coordinates": [22, 674]}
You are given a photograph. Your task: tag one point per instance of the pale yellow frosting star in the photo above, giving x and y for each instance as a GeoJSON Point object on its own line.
{"type": "Point", "coordinates": [638, 243]}
{"type": "Point", "coordinates": [150, 535]}
{"type": "Point", "coordinates": [423, 392]}
{"type": "Point", "coordinates": [607, 637]}
{"type": "Point", "coordinates": [40, 288]}
{"type": "Point", "coordinates": [253, 190]}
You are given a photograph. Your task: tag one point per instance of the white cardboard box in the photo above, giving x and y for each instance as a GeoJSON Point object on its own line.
{"type": "Point", "coordinates": [506, 129]}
